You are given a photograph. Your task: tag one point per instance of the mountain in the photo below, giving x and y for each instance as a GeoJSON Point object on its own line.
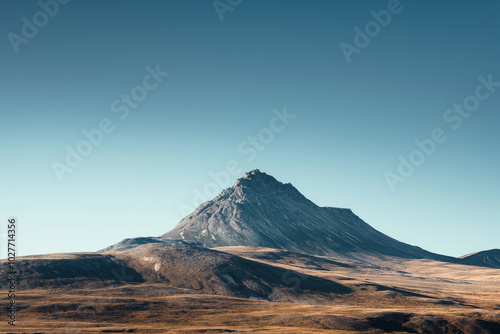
{"type": "Point", "coordinates": [260, 211]}
{"type": "Point", "coordinates": [247, 261]}
{"type": "Point", "coordinates": [488, 258]}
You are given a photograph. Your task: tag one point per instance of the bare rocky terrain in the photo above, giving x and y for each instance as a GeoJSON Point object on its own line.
{"type": "Point", "coordinates": [259, 211]}
{"type": "Point", "coordinates": [263, 212]}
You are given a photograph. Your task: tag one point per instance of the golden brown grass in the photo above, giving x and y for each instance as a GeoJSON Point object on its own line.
{"type": "Point", "coordinates": [400, 296]}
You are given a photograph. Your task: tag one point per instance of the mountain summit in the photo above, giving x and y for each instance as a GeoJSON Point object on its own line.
{"type": "Point", "coordinates": [260, 211]}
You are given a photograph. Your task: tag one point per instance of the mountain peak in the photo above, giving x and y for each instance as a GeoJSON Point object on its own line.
{"type": "Point", "coordinates": [254, 172]}
{"type": "Point", "coordinates": [257, 182]}
{"type": "Point", "coordinates": [260, 211]}
{"type": "Point", "coordinates": [256, 176]}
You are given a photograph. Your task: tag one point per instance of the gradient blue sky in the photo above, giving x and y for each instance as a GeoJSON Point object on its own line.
{"type": "Point", "coordinates": [352, 121]}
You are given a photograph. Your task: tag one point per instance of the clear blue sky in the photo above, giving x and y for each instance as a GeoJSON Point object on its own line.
{"type": "Point", "coordinates": [352, 120]}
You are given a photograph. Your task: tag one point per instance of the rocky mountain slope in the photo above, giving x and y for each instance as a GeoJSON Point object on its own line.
{"type": "Point", "coordinates": [260, 211]}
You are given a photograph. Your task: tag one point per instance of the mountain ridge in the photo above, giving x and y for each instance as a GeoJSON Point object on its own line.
{"type": "Point", "coordinates": [260, 211]}
{"type": "Point", "coordinates": [263, 212]}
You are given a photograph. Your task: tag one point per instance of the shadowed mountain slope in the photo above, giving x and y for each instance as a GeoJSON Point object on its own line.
{"type": "Point", "coordinates": [214, 272]}
{"type": "Point", "coordinates": [178, 268]}
{"type": "Point", "coordinates": [488, 258]}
